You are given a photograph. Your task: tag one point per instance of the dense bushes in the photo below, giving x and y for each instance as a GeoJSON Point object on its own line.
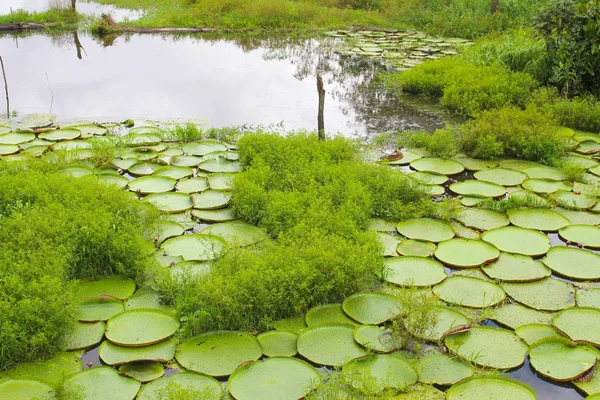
{"type": "Point", "coordinates": [54, 229]}
{"type": "Point", "coordinates": [314, 198]}
{"type": "Point", "coordinates": [442, 143]}
{"type": "Point", "coordinates": [580, 112]}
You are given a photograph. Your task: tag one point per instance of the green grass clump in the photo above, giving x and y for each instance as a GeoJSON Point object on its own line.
{"type": "Point", "coordinates": [442, 143]}
{"type": "Point", "coordinates": [580, 112]}
{"type": "Point", "coordinates": [314, 198]}
{"type": "Point", "coordinates": [466, 88]}
{"type": "Point", "coordinates": [55, 229]}
{"type": "Point", "coordinates": [59, 18]}
{"type": "Point", "coordinates": [510, 132]}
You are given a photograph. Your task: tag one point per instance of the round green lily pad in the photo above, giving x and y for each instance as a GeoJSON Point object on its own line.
{"type": "Point", "coordinates": [16, 138]}
{"type": "Point", "coordinates": [545, 172]}
{"type": "Point", "coordinates": [407, 157]}
{"type": "Point", "coordinates": [83, 335]}
{"type": "Point", "coordinates": [439, 369]}
{"type": "Point", "coordinates": [572, 200]}
{"type": "Point", "coordinates": [490, 387]}
{"type": "Point", "coordinates": [112, 354]}
{"type": "Point", "coordinates": [76, 172]}
{"type": "Point", "coordinates": [501, 176]}
{"type": "Point", "coordinates": [26, 389]}
{"type": "Point", "coordinates": [51, 371]}
{"type": "Point", "coordinates": [427, 229]}
{"type": "Point", "coordinates": [276, 343]}
{"type": "Point", "coordinates": [186, 161]}
{"type": "Point", "coordinates": [560, 359]}
{"type": "Point", "coordinates": [218, 353]}
{"type": "Point", "coordinates": [174, 172]}
{"type": "Point", "coordinates": [113, 180]}
{"type": "Point", "coordinates": [101, 383]}
{"type": "Point", "coordinates": [372, 307]}
{"type": "Point", "coordinates": [437, 165]}
{"type": "Point", "coordinates": [588, 298]}
{"type": "Point", "coordinates": [99, 309]}
{"type": "Point", "coordinates": [376, 338]}
{"type": "Point", "coordinates": [475, 164]}
{"type": "Point", "coordinates": [548, 294]}
{"type": "Point", "coordinates": [445, 319]}
{"type": "Point", "coordinates": [587, 235]}
{"type": "Point", "coordinates": [192, 185]}
{"type": "Point", "coordinates": [329, 344]}
{"type": "Point", "coordinates": [464, 232]}
{"type": "Point", "coordinates": [195, 247]}
{"type": "Point", "coordinates": [7, 149]}
{"type": "Point", "coordinates": [388, 243]}
{"type": "Point", "coordinates": [327, 314]}
{"type": "Point", "coordinates": [167, 229]}
{"type": "Point", "coordinates": [282, 378]}
{"type": "Point", "coordinates": [152, 184]}
{"type": "Point", "coordinates": [237, 233]}
{"type": "Point", "coordinates": [220, 165]}
{"type": "Point", "coordinates": [580, 324]}
{"type": "Point", "coordinates": [513, 239]}
{"type": "Point", "coordinates": [413, 271]}
{"type": "Point", "coordinates": [415, 248]}
{"type": "Point", "coordinates": [146, 298]}
{"type": "Point", "coordinates": [192, 384]}
{"type": "Point", "coordinates": [519, 165]}
{"type": "Point", "coordinates": [203, 147]}
{"type": "Point", "coordinates": [221, 181]}
{"type": "Point", "coordinates": [469, 292]}
{"type": "Point", "coordinates": [378, 372]}
{"type": "Point", "coordinates": [293, 324]}
{"type": "Point", "coordinates": [60, 134]}
{"type": "Point", "coordinates": [141, 327]}
{"type": "Point", "coordinates": [477, 188]}
{"type": "Point", "coordinates": [514, 315]}
{"type": "Point", "coordinates": [211, 199]}
{"type": "Point", "coordinates": [481, 218]}
{"type": "Point", "coordinates": [171, 202]}
{"type": "Point", "coordinates": [545, 185]}
{"type": "Point", "coordinates": [434, 190]}
{"type": "Point", "coordinates": [220, 215]}
{"type": "Point", "coordinates": [532, 333]}
{"type": "Point", "coordinates": [143, 168]}
{"type": "Point", "coordinates": [466, 253]}
{"type": "Point", "coordinates": [516, 268]}
{"type": "Point", "coordinates": [143, 371]}
{"type": "Point", "coordinates": [429, 178]}
{"type": "Point", "coordinates": [537, 218]}
{"type": "Point", "coordinates": [573, 263]}
{"type": "Point", "coordinates": [488, 347]}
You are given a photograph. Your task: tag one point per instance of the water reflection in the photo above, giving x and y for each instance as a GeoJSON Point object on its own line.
{"type": "Point", "coordinates": [230, 80]}
{"type": "Point", "coordinates": [83, 7]}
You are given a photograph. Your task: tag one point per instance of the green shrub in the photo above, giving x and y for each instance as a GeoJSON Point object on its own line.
{"type": "Point", "coordinates": [582, 113]}
{"type": "Point", "coordinates": [510, 132]}
{"type": "Point", "coordinates": [54, 229]}
{"type": "Point", "coordinates": [431, 77]}
{"type": "Point", "coordinates": [442, 143]}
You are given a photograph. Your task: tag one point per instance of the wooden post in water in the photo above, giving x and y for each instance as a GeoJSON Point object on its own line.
{"type": "Point", "coordinates": [74, 5]}
{"type": "Point", "coordinates": [5, 89]}
{"type": "Point", "coordinates": [320, 118]}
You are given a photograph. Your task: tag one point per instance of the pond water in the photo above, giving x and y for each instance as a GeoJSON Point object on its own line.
{"type": "Point", "coordinates": [83, 7]}
{"type": "Point", "coordinates": [229, 80]}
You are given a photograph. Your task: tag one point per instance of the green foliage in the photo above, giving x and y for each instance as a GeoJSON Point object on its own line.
{"type": "Point", "coordinates": [315, 199]}
{"type": "Point", "coordinates": [580, 112]}
{"type": "Point", "coordinates": [190, 133]}
{"type": "Point", "coordinates": [510, 132]}
{"type": "Point", "coordinates": [571, 29]}
{"type": "Point", "coordinates": [54, 229]}
{"type": "Point", "coordinates": [468, 89]}
{"type": "Point", "coordinates": [57, 18]}
{"type": "Point", "coordinates": [528, 200]}
{"type": "Point", "coordinates": [442, 143]}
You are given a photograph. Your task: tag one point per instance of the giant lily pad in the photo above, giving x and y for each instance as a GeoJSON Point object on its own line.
{"type": "Point", "coordinates": [513, 239]}
{"type": "Point", "coordinates": [437, 165]}
{"type": "Point", "coordinates": [112, 354]}
{"type": "Point", "coordinates": [16, 138]}
{"type": "Point", "coordinates": [276, 343]}
{"type": "Point", "coordinates": [211, 199]}
{"type": "Point", "coordinates": [220, 165]}
{"type": "Point", "coordinates": [466, 253]}
{"type": "Point", "coordinates": [220, 215]}
{"type": "Point", "coordinates": [414, 271]}
{"type": "Point", "coordinates": [581, 324]}
{"type": "Point", "coordinates": [327, 314]}
{"type": "Point", "coordinates": [99, 309]}
{"type": "Point", "coordinates": [545, 185]}
{"type": "Point", "coordinates": [143, 168]}
{"type": "Point", "coordinates": [469, 292]}
{"type": "Point", "coordinates": [192, 384]}
{"type": "Point", "coordinates": [7, 149]}
{"type": "Point", "coordinates": [514, 315]}
{"type": "Point", "coordinates": [573, 263]}
{"type": "Point", "coordinates": [588, 298]}
{"type": "Point", "coordinates": [141, 327]}
{"type": "Point", "coordinates": [175, 172]}
{"type": "Point", "coordinates": [481, 218]}
{"type": "Point", "coordinates": [560, 359]}
{"type": "Point", "coordinates": [388, 243]}
{"type": "Point", "coordinates": [439, 369]}
{"type": "Point", "coordinates": [203, 147]}
{"type": "Point", "coordinates": [168, 229]}
{"type": "Point", "coordinates": [444, 319]}
{"type": "Point", "coordinates": [171, 202]}
{"type": "Point", "coordinates": [218, 353]}
{"type": "Point", "coordinates": [548, 294]}
{"type": "Point", "coordinates": [516, 268]}
{"type": "Point", "coordinates": [83, 335]}
{"type": "Point", "coordinates": [532, 333]}
{"type": "Point", "coordinates": [144, 371]}
{"type": "Point", "coordinates": [101, 383]}
{"type": "Point", "coordinates": [329, 344]}
{"type": "Point", "coordinates": [26, 389]}
{"type": "Point", "coordinates": [478, 189]}
{"type": "Point", "coordinates": [195, 247]}
{"type": "Point", "coordinates": [377, 338]}
{"type": "Point", "coordinates": [282, 378]}
{"type": "Point", "coordinates": [488, 347]}
{"type": "Point", "coordinates": [51, 371]}
{"type": "Point", "coordinates": [192, 185]}
{"type": "Point", "coordinates": [426, 229]}
{"type": "Point", "coordinates": [545, 172]}
{"type": "Point", "coordinates": [586, 235]}
{"type": "Point", "coordinates": [60, 134]}
{"type": "Point", "coordinates": [501, 176]}
{"type": "Point", "coordinates": [372, 307]}
{"type": "Point", "coordinates": [490, 387]}
{"type": "Point", "coordinates": [379, 372]}
{"type": "Point", "coordinates": [415, 248]}
{"type": "Point", "coordinates": [186, 161]}
{"type": "Point", "coordinates": [237, 233]}
{"type": "Point", "coordinates": [537, 218]}
{"type": "Point", "coordinates": [572, 200]}
{"type": "Point", "coordinates": [152, 184]}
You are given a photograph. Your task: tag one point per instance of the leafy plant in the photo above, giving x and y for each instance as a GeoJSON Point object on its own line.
{"type": "Point", "coordinates": [442, 143]}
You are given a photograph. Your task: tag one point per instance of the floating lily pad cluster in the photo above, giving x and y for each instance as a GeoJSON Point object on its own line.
{"type": "Point", "coordinates": [401, 50]}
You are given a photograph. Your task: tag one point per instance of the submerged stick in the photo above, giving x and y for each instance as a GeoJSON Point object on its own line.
{"type": "Point", "coordinates": [320, 118]}
{"type": "Point", "coordinates": [5, 89]}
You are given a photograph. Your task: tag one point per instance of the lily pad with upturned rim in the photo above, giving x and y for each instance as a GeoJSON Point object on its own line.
{"type": "Point", "coordinates": [445, 319]}
{"type": "Point", "coordinates": [437, 165]}
{"type": "Point", "coordinates": [532, 333]}
{"type": "Point", "coordinates": [573, 263]}
{"type": "Point", "coordinates": [329, 344]}
{"type": "Point", "coordinates": [388, 243]}
{"type": "Point", "coordinates": [587, 235]}
{"type": "Point", "coordinates": [588, 298]}
{"type": "Point", "coordinates": [439, 369]}
{"type": "Point", "coordinates": [278, 344]}
{"type": "Point", "coordinates": [220, 215]}
{"type": "Point", "coordinates": [379, 372]}
{"type": "Point", "coordinates": [469, 292]}
{"type": "Point", "coordinates": [141, 327]}
{"type": "Point", "coordinates": [293, 324]}
{"type": "Point", "coordinates": [101, 383]}
{"type": "Point", "coordinates": [236, 232]}
{"type": "Point", "coordinates": [426, 229]}
{"type": "Point", "coordinates": [327, 314]}
{"type": "Point", "coordinates": [60, 134]}
{"type": "Point", "coordinates": [415, 248]}
{"type": "Point", "coordinates": [195, 247]}
{"type": "Point", "coordinates": [580, 324]}
{"type": "Point", "coordinates": [537, 218]}
{"type": "Point", "coordinates": [413, 271]}
{"type": "Point", "coordinates": [189, 382]}
{"type": "Point", "coordinates": [501, 176]}
{"type": "Point", "coordinates": [490, 387]}
{"type": "Point", "coordinates": [551, 173]}
{"type": "Point", "coordinates": [152, 184]}
{"type": "Point", "coordinates": [466, 253]}
{"type": "Point", "coordinates": [481, 218]}
{"type": "Point", "coordinates": [376, 338]}
{"type": "Point", "coordinates": [203, 147]}
{"type": "Point", "coordinates": [372, 307]}
{"type": "Point", "coordinates": [170, 202]}
{"type": "Point", "coordinates": [573, 200]}
{"type": "Point", "coordinates": [516, 268]}
{"type": "Point", "coordinates": [192, 185]}
{"type": "Point", "coordinates": [211, 199]}
{"type": "Point", "coordinates": [218, 353]}
{"type": "Point", "coordinates": [26, 389]}
{"type": "Point", "coordinates": [113, 286]}
{"type": "Point", "coordinates": [98, 309]}
{"type": "Point", "coordinates": [83, 335]}
{"type": "Point", "coordinates": [144, 371]}
{"type": "Point", "coordinates": [220, 165]}
{"type": "Point", "coordinates": [114, 355]}
{"type": "Point", "coordinates": [477, 188]}
{"type": "Point", "coordinates": [560, 359]}
{"type": "Point", "coordinates": [547, 294]}
{"type": "Point", "coordinates": [545, 185]}
{"type": "Point", "coordinates": [16, 138]}
{"type": "Point", "coordinates": [514, 315]}
{"type": "Point", "coordinates": [513, 239]}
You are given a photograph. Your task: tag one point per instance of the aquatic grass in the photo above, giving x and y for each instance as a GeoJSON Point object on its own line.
{"type": "Point", "coordinates": [442, 143]}
{"type": "Point", "coordinates": [58, 18]}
